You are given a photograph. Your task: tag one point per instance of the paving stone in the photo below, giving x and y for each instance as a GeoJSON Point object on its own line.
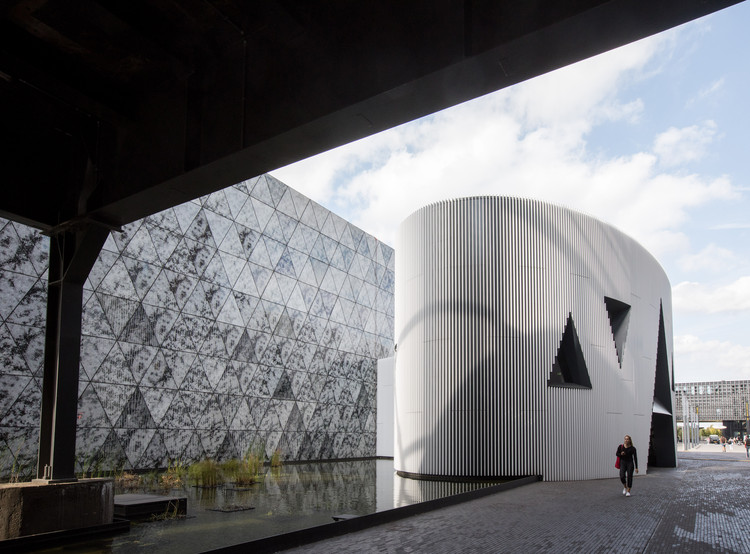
{"type": "Point", "coordinates": [700, 506]}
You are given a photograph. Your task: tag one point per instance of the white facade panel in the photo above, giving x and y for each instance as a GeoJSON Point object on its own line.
{"type": "Point", "coordinates": [507, 362]}
{"type": "Point", "coordinates": [385, 416]}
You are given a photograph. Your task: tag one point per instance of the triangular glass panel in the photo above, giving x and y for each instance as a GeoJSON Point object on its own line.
{"type": "Point", "coordinates": [662, 387]}
{"type": "Point", "coordinates": [569, 369]}
{"type": "Point", "coordinates": [619, 317]}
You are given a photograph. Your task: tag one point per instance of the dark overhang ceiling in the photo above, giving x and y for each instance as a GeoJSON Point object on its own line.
{"type": "Point", "coordinates": [112, 110]}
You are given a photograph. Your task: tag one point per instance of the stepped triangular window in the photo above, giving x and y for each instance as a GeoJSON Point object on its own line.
{"type": "Point", "coordinates": [661, 449]}
{"type": "Point", "coordinates": [569, 369]}
{"type": "Point", "coordinates": [619, 317]}
{"type": "Point", "coordinates": [662, 381]}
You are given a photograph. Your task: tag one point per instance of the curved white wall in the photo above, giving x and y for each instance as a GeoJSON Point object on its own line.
{"type": "Point", "coordinates": [484, 289]}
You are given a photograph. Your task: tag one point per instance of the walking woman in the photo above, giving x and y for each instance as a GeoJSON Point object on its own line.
{"type": "Point", "coordinates": [628, 461]}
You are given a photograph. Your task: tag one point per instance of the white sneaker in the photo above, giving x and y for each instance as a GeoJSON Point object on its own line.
{"type": "Point", "coordinates": [627, 494]}
{"type": "Point", "coordinates": [624, 491]}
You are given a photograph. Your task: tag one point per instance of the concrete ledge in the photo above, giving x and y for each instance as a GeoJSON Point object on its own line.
{"type": "Point", "coordinates": [344, 526]}
{"type": "Point", "coordinates": [41, 507]}
{"type": "Point", "coordinates": [64, 540]}
{"type": "Point", "coordinates": [141, 506]}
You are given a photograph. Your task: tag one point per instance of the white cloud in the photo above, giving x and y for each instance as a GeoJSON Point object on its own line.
{"type": "Point", "coordinates": [713, 360]}
{"type": "Point", "coordinates": [710, 91]}
{"type": "Point", "coordinates": [696, 297]}
{"type": "Point", "coordinates": [712, 258]}
{"type": "Point", "coordinates": [680, 146]}
{"type": "Point", "coordinates": [730, 226]}
{"type": "Point", "coordinates": [528, 140]}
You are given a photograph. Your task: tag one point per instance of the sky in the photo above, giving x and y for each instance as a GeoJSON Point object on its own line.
{"type": "Point", "coordinates": [652, 137]}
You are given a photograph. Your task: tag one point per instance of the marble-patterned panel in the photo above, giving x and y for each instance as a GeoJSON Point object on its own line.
{"type": "Point", "coordinates": [236, 199]}
{"type": "Point", "coordinates": [142, 275]}
{"type": "Point", "coordinates": [25, 411]}
{"type": "Point", "coordinates": [233, 244]}
{"type": "Point", "coordinates": [230, 334]}
{"type": "Point", "coordinates": [29, 344]}
{"type": "Point", "coordinates": [212, 419]}
{"type": "Point", "coordinates": [200, 231]}
{"type": "Point", "coordinates": [135, 442]}
{"type": "Point", "coordinates": [91, 413]}
{"type": "Point", "coordinates": [149, 316]}
{"type": "Point", "coordinates": [196, 379]}
{"type": "Point", "coordinates": [165, 241]}
{"type": "Point", "coordinates": [166, 220]}
{"type": "Point", "coordinates": [155, 453]}
{"type": "Point", "coordinates": [228, 449]}
{"type": "Point", "coordinates": [229, 405]}
{"type": "Point", "coordinates": [276, 188]}
{"type": "Point", "coordinates": [257, 407]}
{"type": "Point", "coordinates": [230, 313]}
{"type": "Point", "coordinates": [214, 368]}
{"type": "Point", "coordinates": [242, 419]}
{"type": "Point", "coordinates": [13, 253]}
{"type": "Point", "coordinates": [141, 247]}
{"type": "Point", "coordinates": [179, 362]}
{"type": "Point", "coordinates": [89, 441]}
{"type": "Point", "coordinates": [138, 358]}
{"type": "Point", "coordinates": [174, 443]}
{"type": "Point", "coordinates": [233, 266]}
{"type": "Point", "coordinates": [215, 272]}
{"type": "Point", "coordinates": [12, 361]}
{"type": "Point", "coordinates": [177, 417]}
{"type": "Point", "coordinates": [114, 369]}
{"type": "Point", "coordinates": [185, 214]}
{"type": "Point", "coordinates": [117, 282]}
{"type": "Point", "coordinates": [93, 352]}
{"type": "Point", "coordinates": [245, 373]}
{"type": "Point", "coordinates": [158, 400]}
{"type": "Point", "coordinates": [113, 398]}
{"type": "Point", "coordinates": [15, 287]}
{"type": "Point", "coordinates": [124, 235]}
{"type": "Point", "coordinates": [194, 449]}
{"type": "Point", "coordinates": [94, 322]}
{"type": "Point", "coordinates": [217, 203]}
{"type": "Point", "coordinates": [261, 191]}
{"type": "Point", "coordinates": [31, 309]}
{"type": "Point", "coordinates": [248, 219]}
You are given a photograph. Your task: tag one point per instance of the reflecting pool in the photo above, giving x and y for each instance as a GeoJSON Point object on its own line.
{"type": "Point", "coordinates": [293, 497]}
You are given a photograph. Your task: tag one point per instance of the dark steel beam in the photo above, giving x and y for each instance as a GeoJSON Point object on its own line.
{"type": "Point", "coordinates": [72, 254]}
{"type": "Point", "coordinates": [174, 101]}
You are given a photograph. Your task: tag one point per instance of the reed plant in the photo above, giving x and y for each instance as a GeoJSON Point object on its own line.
{"type": "Point", "coordinates": [206, 473]}
{"type": "Point", "coordinates": [175, 475]}
{"type": "Point", "coordinates": [276, 458]}
{"type": "Point", "coordinates": [128, 481]}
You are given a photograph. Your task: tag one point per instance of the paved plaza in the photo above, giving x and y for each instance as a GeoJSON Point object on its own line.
{"type": "Point", "coordinates": [701, 506]}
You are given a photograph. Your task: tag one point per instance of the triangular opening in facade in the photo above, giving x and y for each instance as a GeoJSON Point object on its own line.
{"type": "Point", "coordinates": [569, 369]}
{"type": "Point", "coordinates": [619, 318]}
{"type": "Point", "coordinates": [661, 450]}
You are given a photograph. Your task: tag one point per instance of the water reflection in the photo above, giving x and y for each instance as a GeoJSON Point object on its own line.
{"type": "Point", "coordinates": [295, 497]}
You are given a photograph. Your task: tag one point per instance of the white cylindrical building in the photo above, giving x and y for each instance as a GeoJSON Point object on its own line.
{"type": "Point", "coordinates": [530, 339]}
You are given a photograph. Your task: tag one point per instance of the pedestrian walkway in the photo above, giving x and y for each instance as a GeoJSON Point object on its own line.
{"type": "Point", "coordinates": [701, 506]}
{"type": "Point", "coordinates": [714, 451]}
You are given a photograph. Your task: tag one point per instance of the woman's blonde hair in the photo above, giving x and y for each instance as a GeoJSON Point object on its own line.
{"type": "Point", "coordinates": [628, 440]}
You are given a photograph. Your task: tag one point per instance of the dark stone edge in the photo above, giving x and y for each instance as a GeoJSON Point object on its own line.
{"type": "Point", "coordinates": [56, 538]}
{"type": "Point", "coordinates": [330, 530]}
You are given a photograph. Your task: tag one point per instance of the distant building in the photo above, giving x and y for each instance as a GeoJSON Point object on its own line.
{"type": "Point", "coordinates": [725, 401]}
